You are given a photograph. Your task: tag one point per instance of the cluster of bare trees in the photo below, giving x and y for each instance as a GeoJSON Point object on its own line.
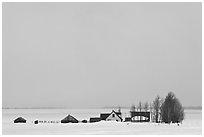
{"type": "Point", "coordinates": [140, 107]}
{"type": "Point", "coordinates": [162, 110]}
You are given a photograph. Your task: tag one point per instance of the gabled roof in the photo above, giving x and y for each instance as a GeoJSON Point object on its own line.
{"type": "Point", "coordinates": [104, 116]}
{"type": "Point", "coordinates": [118, 114]}
{"type": "Point", "coordinates": [19, 119]}
{"type": "Point", "coordinates": [70, 119]}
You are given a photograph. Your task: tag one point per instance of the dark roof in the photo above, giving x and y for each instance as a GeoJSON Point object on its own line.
{"type": "Point", "coordinates": [69, 119]}
{"type": "Point", "coordinates": [95, 119]}
{"type": "Point", "coordinates": [118, 113]}
{"type": "Point", "coordinates": [19, 120]}
{"type": "Point", "coordinates": [135, 113]}
{"type": "Point", "coordinates": [103, 116]}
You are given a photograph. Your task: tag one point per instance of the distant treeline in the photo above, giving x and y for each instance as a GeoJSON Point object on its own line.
{"type": "Point", "coordinates": [188, 107]}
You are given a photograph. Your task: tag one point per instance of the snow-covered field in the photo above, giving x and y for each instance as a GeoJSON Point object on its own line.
{"type": "Point", "coordinates": [191, 125]}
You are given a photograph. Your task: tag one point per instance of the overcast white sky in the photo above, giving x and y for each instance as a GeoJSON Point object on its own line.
{"type": "Point", "coordinates": [100, 54]}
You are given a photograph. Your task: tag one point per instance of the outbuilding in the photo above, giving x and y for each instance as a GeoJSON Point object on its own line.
{"type": "Point", "coordinates": [94, 119]}
{"type": "Point", "coordinates": [36, 122]}
{"type": "Point", "coordinates": [20, 120]}
{"type": "Point", "coordinates": [69, 119]}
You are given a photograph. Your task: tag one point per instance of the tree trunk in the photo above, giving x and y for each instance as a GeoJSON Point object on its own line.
{"type": "Point", "coordinates": [169, 115]}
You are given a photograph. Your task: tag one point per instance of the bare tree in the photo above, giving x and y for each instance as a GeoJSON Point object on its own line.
{"type": "Point", "coordinates": [151, 110]}
{"type": "Point", "coordinates": [140, 108]}
{"type": "Point", "coordinates": [146, 106]}
{"type": "Point", "coordinates": [160, 112]}
{"type": "Point", "coordinates": [133, 108]}
{"type": "Point", "coordinates": [157, 108]}
{"type": "Point", "coordinates": [119, 109]}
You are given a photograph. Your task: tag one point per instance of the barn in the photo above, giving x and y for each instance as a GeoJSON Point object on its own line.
{"type": "Point", "coordinates": [19, 120]}
{"type": "Point", "coordinates": [69, 119]}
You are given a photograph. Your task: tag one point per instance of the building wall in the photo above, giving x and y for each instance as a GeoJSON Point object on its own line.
{"type": "Point", "coordinates": [113, 117]}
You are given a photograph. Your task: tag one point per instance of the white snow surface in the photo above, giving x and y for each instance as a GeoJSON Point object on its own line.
{"type": "Point", "coordinates": [192, 125]}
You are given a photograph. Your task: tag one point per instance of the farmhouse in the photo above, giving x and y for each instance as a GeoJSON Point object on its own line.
{"type": "Point", "coordinates": [20, 120]}
{"type": "Point", "coordinates": [113, 116]}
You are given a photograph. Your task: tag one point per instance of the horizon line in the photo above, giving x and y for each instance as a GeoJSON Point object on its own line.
{"type": "Point", "coordinates": [106, 107]}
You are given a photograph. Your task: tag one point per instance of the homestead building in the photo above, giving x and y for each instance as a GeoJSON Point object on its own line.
{"type": "Point", "coordinates": [20, 120]}
{"type": "Point", "coordinates": [138, 116]}
{"type": "Point", "coordinates": [113, 116]}
{"type": "Point", "coordinates": [69, 119]}
{"type": "Point", "coordinates": [94, 119]}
